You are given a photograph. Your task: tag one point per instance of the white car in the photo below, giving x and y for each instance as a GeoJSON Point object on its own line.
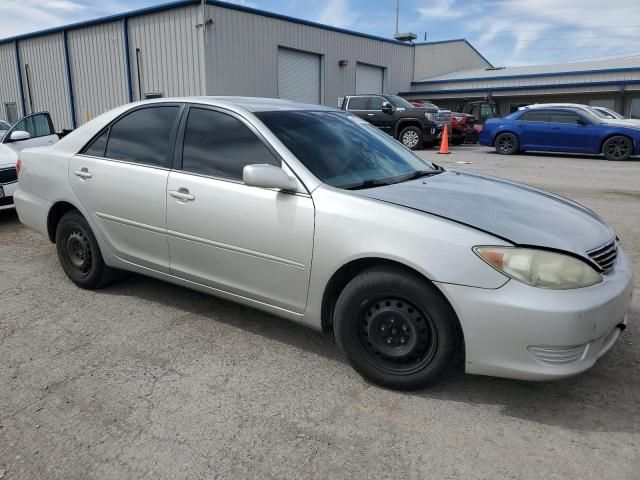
{"type": "Point", "coordinates": [31, 131]}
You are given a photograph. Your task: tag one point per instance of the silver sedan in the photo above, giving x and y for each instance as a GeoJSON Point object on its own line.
{"type": "Point", "coordinates": [314, 215]}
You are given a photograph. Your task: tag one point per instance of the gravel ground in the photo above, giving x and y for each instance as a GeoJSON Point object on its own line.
{"type": "Point", "coordinates": [145, 379]}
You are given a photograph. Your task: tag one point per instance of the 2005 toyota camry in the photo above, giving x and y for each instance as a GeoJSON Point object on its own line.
{"type": "Point", "coordinates": [314, 215]}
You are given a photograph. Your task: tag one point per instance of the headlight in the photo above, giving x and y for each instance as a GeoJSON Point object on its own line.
{"type": "Point", "coordinates": [540, 268]}
{"type": "Point", "coordinates": [430, 116]}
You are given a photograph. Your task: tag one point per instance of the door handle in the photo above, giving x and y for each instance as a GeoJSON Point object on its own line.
{"type": "Point", "coordinates": [82, 173]}
{"type": "Point", "coordinates": [370, 114]}
{"type": "Point", "coordinates": [182, 194]}
{"type": "Point", "coordinates": [555, 128]}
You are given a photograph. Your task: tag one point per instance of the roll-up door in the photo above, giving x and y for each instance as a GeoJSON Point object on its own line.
{"type": "Point", "coordinates": [298, 76]}
{"type": "Point", "coordinates": [369, 79]}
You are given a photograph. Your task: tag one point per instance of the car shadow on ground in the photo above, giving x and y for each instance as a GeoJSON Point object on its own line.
{"type": "Point", "coordinates": [603, 399]}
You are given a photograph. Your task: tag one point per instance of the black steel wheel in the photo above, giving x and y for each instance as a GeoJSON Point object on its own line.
{"type": "Point", "coordinates": [617, 148]}
{"type": "Point", "coordinates": [506, 144]}
{"type": "Point", "coordinates": [79, 253]}
{"type": "Point", "coordinates": [395, 328]}
{"type": "Point", "coordinates": [399, 338]}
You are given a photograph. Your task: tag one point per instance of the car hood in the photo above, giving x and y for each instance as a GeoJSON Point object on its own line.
{"type": "Point", "coordinates": [628, 123]}
{"type": "Point", "coordinates": [8, 156]}
{"type": "Point", "coordinates": [518, 213]}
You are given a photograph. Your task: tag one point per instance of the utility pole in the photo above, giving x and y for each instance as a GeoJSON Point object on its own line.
{"type": "Point", "coordinates": [397, 16]}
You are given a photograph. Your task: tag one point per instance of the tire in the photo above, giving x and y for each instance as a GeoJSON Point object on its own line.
{"type": "Point", "coordinates": [396, 329]}
{"type": "Point", "coordinates": [471, 137]}
{"type": "Point", "coordinates": [411, 137]}
{"type": "Point", "coordinates": [506, 144]}
{"type": "Point", "coordinates": [617, 148]}
{"type": "Point", "coordinates": [79, 253]}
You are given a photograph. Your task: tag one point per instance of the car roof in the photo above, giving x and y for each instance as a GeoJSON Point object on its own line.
{"type": "Point", "coordinates": [558, 105]}
{"type": "Point", "coordinates": [253, 104]}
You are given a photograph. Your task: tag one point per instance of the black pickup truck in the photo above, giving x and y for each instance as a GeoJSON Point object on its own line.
{"type": "Point", "coordinates": [412, 126]}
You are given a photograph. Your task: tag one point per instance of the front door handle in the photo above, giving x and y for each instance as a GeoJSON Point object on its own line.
{"type": "Point", "coordinates": [82, 173]}
{"type": "Point", "coordinates": [182, 194]}
{"type": "Point", "coordinates": [370, 114]}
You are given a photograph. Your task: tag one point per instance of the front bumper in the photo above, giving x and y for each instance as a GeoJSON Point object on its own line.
{"type": "Point", "coordinates": [528, 333]}
{"type": "Point", "coordinates": [429, 134]}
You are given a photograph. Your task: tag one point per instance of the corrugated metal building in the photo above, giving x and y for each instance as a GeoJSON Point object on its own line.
{"type": "Point", "coordinates": [192, 47]}
{"type": "Point", "coordinates": [613, 83]}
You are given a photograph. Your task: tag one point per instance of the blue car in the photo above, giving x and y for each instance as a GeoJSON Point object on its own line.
{"type": "Point", "coordinates": [561, 129]}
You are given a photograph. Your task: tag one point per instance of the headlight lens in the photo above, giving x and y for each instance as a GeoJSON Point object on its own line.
{"type": "Point", "coordinates": [540, 268]}
{"type": "Point", "coordinates": [430, 116]}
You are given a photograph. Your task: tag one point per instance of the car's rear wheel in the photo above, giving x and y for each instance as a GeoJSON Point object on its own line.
{"type": "Point", "coordinates": [411, 137]}
{"type": "Point", "coordinates": [79, 253]}
{"type": "Point", "coordinates": [506, 144]}
{"type": "Point", "coordinates": [471, 137]}
{"type": "Point", "coordinates": [395, 328]}
{"type": "Point", "coordinates": [617, 148]}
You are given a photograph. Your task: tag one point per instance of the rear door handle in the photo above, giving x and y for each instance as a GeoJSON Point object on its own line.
{"type": "Point", "coordinates": [82, 173]}
{"type": "Point", "coordinates": [182, 194]}
{"type": "Point", "coordinates": [369, 114]}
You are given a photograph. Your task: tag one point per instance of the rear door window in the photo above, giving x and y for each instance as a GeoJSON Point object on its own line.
{"type": "Point", "coordinates": [535, 116]}
{"type": "Point", "coordinates": [143, 136]}
{"type": "Point", "coordinates": [358, 103]}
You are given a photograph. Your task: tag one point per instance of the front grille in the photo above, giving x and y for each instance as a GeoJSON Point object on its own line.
{"type": "Point", "coordinates": [605, 256]}
{"type": "Point", "coordinates": [8, 175]}
{"type": "Point", "coordinates": [558, 355]}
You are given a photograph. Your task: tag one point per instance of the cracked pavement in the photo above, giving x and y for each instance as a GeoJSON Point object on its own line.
{"type": "Point", "coordinates": [146, 379]}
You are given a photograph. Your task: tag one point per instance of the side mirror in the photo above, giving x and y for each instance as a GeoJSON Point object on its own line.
{"type": "Point", "coordinates": [582, 121]}
{"type": "Point", "coordinates": [267, 176]}
{"type": "Point", "coordinates": [18, 135]}
{"type": "Point", "coordinates": [387, 107]}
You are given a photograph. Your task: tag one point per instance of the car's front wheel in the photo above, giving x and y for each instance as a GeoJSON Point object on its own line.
{"type": "Point", "coordinates": [617, 148]}
{"type": "Point", "coordinates": [411, 137]}
{"type": "Point", "coordinates": [506, 144]}
{"type": "Point", "coordinates": [79, 253]}
{"type": "Point", "coordinates": [395, 328]}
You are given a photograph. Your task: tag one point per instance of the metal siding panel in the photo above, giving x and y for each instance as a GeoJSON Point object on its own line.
{"type": "Point", "coordinates": [96, 58]}
{"type": "Point", "coordinates": [171, 53]}
{"type": "Point", "coordinates": [298, 76]}
{"type": "Point", "coordinates": [369, 79]}
{"type": "Point", "coordinates": [242, 56]}
{"type": "Point", "coordinates": [48, 77]}
{"type": "Point", "coordinates": [9, 90]}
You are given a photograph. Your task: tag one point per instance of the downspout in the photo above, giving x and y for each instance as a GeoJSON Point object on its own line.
{"type": "Point", "coordinates": [20, 84]}
{"type": "Point", "coordinates": [72, 102]}
{"type": "Point", "coordinates": [127, 58]}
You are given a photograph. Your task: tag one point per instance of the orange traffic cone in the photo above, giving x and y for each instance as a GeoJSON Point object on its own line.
{"type": "Point", "coordinates": [444, 143]}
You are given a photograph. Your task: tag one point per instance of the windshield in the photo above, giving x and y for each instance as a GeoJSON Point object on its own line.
{"type": "Point", "coordinates": [343, 150]}
{"type": "Point", "coordinates": [399, 102]}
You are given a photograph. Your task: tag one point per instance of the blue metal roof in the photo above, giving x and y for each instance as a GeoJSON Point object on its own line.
{"type": "Point", "coordinates": [182, 3]}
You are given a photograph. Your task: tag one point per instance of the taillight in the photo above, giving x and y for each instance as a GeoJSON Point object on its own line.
{"type": "Point", "coordinates": [18, 164]}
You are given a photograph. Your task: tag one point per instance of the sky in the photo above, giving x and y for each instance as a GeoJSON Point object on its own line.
{"type": "Point", "coordinates": [507, 32]}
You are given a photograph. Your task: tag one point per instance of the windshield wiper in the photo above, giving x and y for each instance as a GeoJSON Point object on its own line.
{"type": "Point", "coordinates": [369, 183]}
{"type": "Point", "coordinates": [419, 174]}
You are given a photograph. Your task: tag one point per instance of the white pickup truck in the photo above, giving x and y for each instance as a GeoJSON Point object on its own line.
{"type": "Point", "coordinates": [34, 130]}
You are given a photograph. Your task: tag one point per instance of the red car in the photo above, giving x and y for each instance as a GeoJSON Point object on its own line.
{"type": "Point", "coordinates": [461, 125]}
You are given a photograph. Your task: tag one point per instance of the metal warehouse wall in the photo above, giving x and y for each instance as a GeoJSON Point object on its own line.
{"type": "Point", "coordinates": [242, 55]}
{"type": "Point", "coordinates": [168, 47]}
{"type": "Point", "coordinates": [9, 90]}
{"type": "Point", "coordinates": [98, 71]}
{"type": "Point", "coordinates": [439, 58]}
{"type": "Point", "coordinates": [48, 78]}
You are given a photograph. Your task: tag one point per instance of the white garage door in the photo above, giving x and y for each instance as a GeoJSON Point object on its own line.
{"type": "Point", "coordinates": [369, 79]}
{"type": "Point", "coordinates": [298, 76]}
